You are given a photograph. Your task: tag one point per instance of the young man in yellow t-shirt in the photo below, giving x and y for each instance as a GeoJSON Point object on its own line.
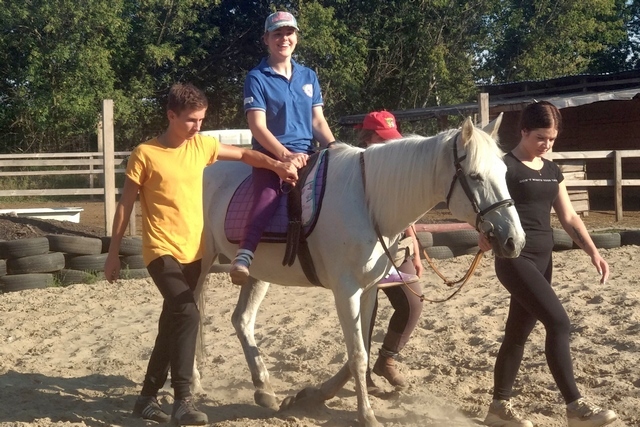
{"type": "Point", "coordinates": [167, 173]}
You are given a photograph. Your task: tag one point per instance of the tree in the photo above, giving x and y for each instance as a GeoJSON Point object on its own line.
{"type": "Point", "coordinates": [549, 38]}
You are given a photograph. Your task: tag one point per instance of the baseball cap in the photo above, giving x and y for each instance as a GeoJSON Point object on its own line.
{"type": "Point", "coordinates": [280, 19]}
{"type": "Point", "coordinates": [383, 123]}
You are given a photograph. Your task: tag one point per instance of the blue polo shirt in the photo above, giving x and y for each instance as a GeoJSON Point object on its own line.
{"type": "Point", "coordinates": [287, 104]}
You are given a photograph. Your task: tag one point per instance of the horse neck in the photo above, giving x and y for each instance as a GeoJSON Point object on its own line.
{"type": "Point", "coordinates": [404, 179]}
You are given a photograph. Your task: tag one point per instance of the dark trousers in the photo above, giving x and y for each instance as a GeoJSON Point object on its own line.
{"type": "Point", "coordinates": [407, 309]}
{"type": "Point", "coordinates": [528, 280]}
{"type": "Point", "coordinates": [175, 344]}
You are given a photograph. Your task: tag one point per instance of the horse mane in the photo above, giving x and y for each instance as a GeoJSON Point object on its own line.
{"type": "Point", "coordinates": [401, 175]}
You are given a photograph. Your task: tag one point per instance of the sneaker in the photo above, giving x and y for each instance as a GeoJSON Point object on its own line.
{"type": "Point", "coordinates": [240, 267]}
{"type": "Point", "coordinates": [583, 413]}
{"type": "Point", "coordinates": [502, 414]}
{"type": "Point", "coordinates": [239, 273]}
{"type": "Point", "coordinates": [185, 413]}
{"type": "Point", "coordinates": [396, 278]}
{"type": "Point", "coordinates": [148, 408]}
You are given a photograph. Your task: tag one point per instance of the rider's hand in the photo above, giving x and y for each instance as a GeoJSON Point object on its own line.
{"type": "Point", "coordinates": [299, 160]}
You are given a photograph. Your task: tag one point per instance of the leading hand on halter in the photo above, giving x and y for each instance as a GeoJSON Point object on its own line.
{"type": "Point", "coordinates": [483, 242]}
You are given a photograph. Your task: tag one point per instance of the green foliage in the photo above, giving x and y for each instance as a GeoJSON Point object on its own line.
{"type": "Point", "coordinates": [550, 38]}
{"type": "Point", "coordinates": [58, 61]}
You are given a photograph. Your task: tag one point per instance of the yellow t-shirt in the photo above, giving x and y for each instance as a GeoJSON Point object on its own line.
{"type": "Point", "coordinates": [170, 181]}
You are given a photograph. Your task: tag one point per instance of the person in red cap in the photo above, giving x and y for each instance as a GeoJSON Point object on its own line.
{"type": "Point", "coordinates": [401, 285]}
{"type": "Point", "coordinates": [381, 127]}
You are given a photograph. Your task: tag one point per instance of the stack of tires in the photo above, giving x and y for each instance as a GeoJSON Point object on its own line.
{"type": "Point", "coordinates": [40, 262]}
{"type": "Point", "coordinates": [602, 240]}
{"type": "Point", "coordinates": [449, 244]}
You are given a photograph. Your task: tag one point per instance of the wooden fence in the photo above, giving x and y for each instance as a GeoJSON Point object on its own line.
{"type": "Point", "coordinates": [103, 166]}
{"type": "Point", "coordinates": [576, 184]}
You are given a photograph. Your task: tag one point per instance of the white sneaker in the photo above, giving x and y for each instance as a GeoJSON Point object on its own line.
{"type": "Point", "coordinates": [583, 413]}
{"type": "Point", "coordinates": [502, 414]}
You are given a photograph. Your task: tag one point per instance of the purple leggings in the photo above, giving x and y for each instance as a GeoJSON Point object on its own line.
{"type": "Point", "coordinates": [266, 198]}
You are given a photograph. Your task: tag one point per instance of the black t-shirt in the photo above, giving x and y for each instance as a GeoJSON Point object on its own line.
{"type": "Point", "coordinates": [534, 193]}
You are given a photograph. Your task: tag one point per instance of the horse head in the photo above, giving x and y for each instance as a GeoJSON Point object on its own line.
{"type": "Point", "coordinates": [478, 192]}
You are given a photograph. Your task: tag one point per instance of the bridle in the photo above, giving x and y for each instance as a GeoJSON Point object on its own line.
{"type": "Point", "coordinates": [482, 224]}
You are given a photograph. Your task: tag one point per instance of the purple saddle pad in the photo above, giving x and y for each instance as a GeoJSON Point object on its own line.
{"type": "Point", "coordinates": [276, 232]}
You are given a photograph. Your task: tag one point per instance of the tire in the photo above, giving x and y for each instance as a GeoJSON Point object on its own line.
{"type": "Point", "coordinates": [606, 240]}
{"type": "Point", "coordinates": [630, 237]}
{"type": "Point", "coordinates": [132, 262]}
{"type": "Point", "coordinates": [134, 273]}
{"type": "Point", "coordinates": [465, 251]}
{"type": "Point", "coordinates": [46, 263]}
{"type": "Point", "coordinates": [439, 252]}
{"type": "Point", "coordinates": [3, 267]}
{"type": "Point", "coordinates": [75, 244]}
{"type": "Point", "coordinates": [456, 238]}
{"type": "Point", "coordinates": [129, 245]}
{"type": "Point", "coordinates": [24, 247]}
{"type": "Point", "coordinates": [561, 240]}
{"type": "Point", "coordinates": [425, 238]}
{"type": "Point", "coordinates": [21, 282]}
{"type": "Point", "coordinates": [86, 262]}
{"type": "Point", "coordinates": [70, 277]}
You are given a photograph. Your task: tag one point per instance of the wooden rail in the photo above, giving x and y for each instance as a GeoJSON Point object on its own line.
{"type": "Point", "coordinates": [617, 182]}
{"type": "Point", "coordinates": [93, 165]}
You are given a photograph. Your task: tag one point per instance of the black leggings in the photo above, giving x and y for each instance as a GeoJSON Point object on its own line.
{"type": "Point", "coordinates": [175, 345]}
{"type": "Point", "coordinates": [528, 280]}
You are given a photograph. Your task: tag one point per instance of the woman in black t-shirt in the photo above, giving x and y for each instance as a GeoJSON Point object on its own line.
{"type": "Point", "coordinates": [536, 185]}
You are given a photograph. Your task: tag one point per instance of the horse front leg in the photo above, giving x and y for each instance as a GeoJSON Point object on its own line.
{"type": "Point", "coordinates": [244, 319]}
{"type": "Point", "coordinates": [354, 312]}
{"type": "Point", "coordinates": [367, 303]}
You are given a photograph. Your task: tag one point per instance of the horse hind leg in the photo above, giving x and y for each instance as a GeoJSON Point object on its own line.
{"type": "Point", "coordinates": [244, 320]}
{"type": "Point", "coordinates": [208, 256]}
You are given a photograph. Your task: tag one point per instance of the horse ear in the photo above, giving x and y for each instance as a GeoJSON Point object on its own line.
{"type": "Point", "coordinates": [493, 126]}
{"type": "Point", "coordinates": [467, 130]}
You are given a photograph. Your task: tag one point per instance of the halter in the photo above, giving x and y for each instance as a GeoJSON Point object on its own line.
{"type": "Point", "coordinates": [482, 225]}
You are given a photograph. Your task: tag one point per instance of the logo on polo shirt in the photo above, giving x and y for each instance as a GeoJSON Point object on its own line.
{"type": "Point", "coordinates": [308, 89]}
{"type": "Point", "coordinates": [248, 100]}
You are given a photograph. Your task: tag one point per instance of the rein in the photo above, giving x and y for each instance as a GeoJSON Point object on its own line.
{"type": "Point", "coordinates": [449, 283]}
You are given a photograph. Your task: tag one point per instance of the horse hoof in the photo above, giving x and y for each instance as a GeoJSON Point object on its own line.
{"type": "Point", "coordinates": [265, 400]}
{"type": "Point", "coordinates": [287, 403]}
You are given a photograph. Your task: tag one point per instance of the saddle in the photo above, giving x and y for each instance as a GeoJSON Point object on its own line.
{"type": "Point", "coordinates": [295, 217]}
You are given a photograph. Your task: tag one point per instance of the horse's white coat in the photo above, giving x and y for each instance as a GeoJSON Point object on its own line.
{"type": "Point", "coordinates": [404, 179]}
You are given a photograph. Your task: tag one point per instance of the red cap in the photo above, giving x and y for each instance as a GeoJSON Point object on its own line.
{"type": "Point", "coordinates": [383, 123]}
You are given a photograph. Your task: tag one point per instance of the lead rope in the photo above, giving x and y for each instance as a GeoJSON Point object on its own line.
{"type": "Point", "coordinates": [449, 283]}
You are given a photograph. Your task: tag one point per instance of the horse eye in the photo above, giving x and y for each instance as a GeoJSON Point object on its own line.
{"type": "Point", "coordinates": [475, 176]}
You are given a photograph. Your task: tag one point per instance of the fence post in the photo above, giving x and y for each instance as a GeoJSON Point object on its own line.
{"type": "Point", "coordinates": [617, 169]}
{"type": "Point", "coordinates": [109, 167]}
{"type": "Point", "coordinates": [483, 108]}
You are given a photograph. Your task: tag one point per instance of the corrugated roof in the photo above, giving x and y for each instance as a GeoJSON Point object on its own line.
{"type": "Point", "coordinates": [563, 92]}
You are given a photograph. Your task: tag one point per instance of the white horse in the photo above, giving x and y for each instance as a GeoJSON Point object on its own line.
{"type": "Point", "coordinates": [403, 180]}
